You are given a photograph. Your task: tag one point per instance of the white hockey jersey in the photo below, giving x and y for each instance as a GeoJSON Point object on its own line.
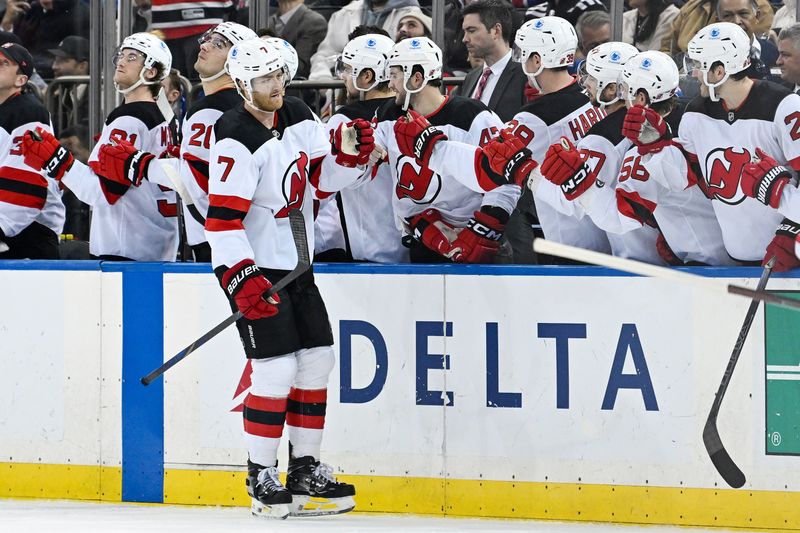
{"type": "Point", "coordinates": [192, 167]}
{"type": "Point", "coordinates": [258, 174]}
{"type": "Point", "coordinates": [564, 113]}
{"type": "Point", "coordinates": [137, 223]}
{"type": "Point", "coordinates": [457, 179]}
{"type": "Point", "coordinates": [370, 232]}
{"type": "Point", "coordinates": [722, 141]}
{"type": "Point", "coordinates": [26, 195]}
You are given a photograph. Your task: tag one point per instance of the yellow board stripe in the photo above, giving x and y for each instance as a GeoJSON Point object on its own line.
{"type": "Point", "coordinates": [456, 497]}
{"type": "Point", "coordinates": [74, 482]}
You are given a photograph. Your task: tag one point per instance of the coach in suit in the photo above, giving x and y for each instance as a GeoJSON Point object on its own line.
{"type": "Point", "coordinates": [500, 83]}
{"type": "Point", "coordinates": [302, 28]}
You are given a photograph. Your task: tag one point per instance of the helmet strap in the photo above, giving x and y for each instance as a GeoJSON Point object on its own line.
{"type": "Point", "coordinates": [214, 77]}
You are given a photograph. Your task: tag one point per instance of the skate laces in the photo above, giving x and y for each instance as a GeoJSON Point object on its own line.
{"type": "Point", "coordinates": [325, 472]}
{"type": "Point", "coordinates": [270, 473]}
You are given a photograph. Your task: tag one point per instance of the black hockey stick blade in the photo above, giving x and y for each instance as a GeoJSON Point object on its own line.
{"type": "Point", "coordinates": [776, 299]}
{"type": "Point", "coordinates": [298, 226]}
{"type": "Point", "coordinates": [720, 457]}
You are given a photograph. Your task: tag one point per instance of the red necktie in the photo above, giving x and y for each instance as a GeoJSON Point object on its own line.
{"type": "Point", "coordinates": [482, 83]}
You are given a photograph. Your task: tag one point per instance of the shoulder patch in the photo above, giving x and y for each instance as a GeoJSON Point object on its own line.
{"type": "Point", "coordinates": [147, 112]}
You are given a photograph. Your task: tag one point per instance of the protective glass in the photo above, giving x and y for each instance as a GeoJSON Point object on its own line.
{"type": "Point", "coordinates": [518, 54]}
{"type": "Point", "coordinates": [343, 69]}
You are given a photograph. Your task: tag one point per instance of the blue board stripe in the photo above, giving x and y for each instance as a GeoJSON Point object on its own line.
{"type": "Point", "coordinates": [142, 407]}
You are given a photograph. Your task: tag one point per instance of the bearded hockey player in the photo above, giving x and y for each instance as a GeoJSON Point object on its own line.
{"type": "Point", "coordinates": [269, 157]}
{"type": "Point", "coordinates": [721, 131]}
{"type": "Point", "coordinates": [128, 223]}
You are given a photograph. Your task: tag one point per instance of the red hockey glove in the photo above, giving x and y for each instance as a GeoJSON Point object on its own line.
{"type": "Point", "coordinates": [246, 286]}
{"type": "Point", "coordinates": [352, 143]}
{"type": "Point", "coordinates": [480, 240]}
{"type": "Point", "coordinates": [123, 163]}
{"type": "Point", "coordinates": [567, 167]}
{"type": "Point", "coordinates": [765, 179]}
{"type": "Point", "coordinates": [42, 151]}
{"type": "Point", "coordinates": [510, 157]}
{"type": "Point", "coordinates": [416, 137]}
{"type": "Point", "coordinates": [429, 229]}
{"type": "Point", "coordinates": [666, 253]}
{"type": "Point", "coordinates": [783, 247]}
{"type": "Point", "coordinates": [645, 128]}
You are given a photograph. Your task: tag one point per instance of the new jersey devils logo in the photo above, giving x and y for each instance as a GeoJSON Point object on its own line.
{"type": "Point", "coordinates": [419, 184]}
{"type": "Point", "coordinates": [723, 172]}
{"type": "Point", "coordinates": [293, 185]}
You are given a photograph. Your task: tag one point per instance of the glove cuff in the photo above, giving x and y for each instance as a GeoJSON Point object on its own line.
{"type": "Point", "coordinates": [788, 228]}
{"type": "Point", "coordinates": [234, 277]}
{"type": "Point", "coordinates": [770, 187]}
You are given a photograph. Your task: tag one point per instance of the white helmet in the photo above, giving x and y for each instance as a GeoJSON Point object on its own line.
{"type": "Point", "coordinates": [234, 33]}
{"type": "Point", "coordinates": [252, 59]}
{"type": "Point", "coordinates": [553, 38]}
{"type": "Point", "coordinates": [369, 51]}
{"type": "Point", "coordinates": [288, 53]}
{"type": "Point", "coordinates": [155, 52]}
{"type": "Point", "coordinates": [604, 63]}
{"type": "Point", "coordinates": [652, 72]}
{"type": "Point", "coordinates": [416, 51]}
{"type": "Point", "coordinates": [722, 42]}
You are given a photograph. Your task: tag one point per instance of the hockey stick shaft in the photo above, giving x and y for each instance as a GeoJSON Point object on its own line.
{"type": "Point", "coordinates": [297, 223]}
{"type": "Point", "coordinates": [783, 301]}
{"type": "Point", "coordinates": [719, 456]}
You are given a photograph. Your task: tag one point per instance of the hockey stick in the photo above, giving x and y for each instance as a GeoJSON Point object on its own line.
{"type": "Point", "coordinates": [298, 225]}
{"type": "Point", "coordinates": [783, 301]}
{"type": "Point", "coordinates": [722, 460]}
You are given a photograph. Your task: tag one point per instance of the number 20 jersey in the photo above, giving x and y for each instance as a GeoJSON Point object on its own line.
{"type": "Point", "coordinates": [722, 141]}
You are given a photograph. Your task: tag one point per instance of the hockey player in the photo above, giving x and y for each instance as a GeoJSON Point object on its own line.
{"type": "Point", "coordinates": [721, 130]}
{"type": "Point", "coordinates": [655, 187]}
{"type": "Point", "coordinates": [188, 174]}
{"type": "Point", "coordinates": [546, 48]}
{"type": "Point", "coordinates": [269, 157]}
{"type": "Point", "coordinates": [601, 150]}
{"type": "Point", "coordinates": [128, 223]}
{"type": "Point", "coordinates": [440, 186]}
{"type": "Point", "coordinates": [368, 222]}
{"type": "Point", "coordinates": [31, 211]}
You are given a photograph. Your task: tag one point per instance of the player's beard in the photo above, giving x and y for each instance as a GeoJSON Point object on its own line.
{"type": "Point", "coordinates": [268, 102]}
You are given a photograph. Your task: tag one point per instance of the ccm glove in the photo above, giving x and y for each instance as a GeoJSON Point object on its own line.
{"type": "Point", "coordinates": [416, 137]}
{"type": "Point", "coordinates": [353, 142]}
{"type": "Point", "coordinates": [122, 162]}
{"type": "Point", "coordinates": [42, 150]}
{"type": "Point", "coordinates": [509, 156]}
{"type": "Point", "coordinates": [645, 128]}
{"type": "Point", "coordinates": [480, 240]}
{"type": "Point", "coordinates": [568, 168]}
{"type": "Point", "coordinates": [782, 247]}
{"type": "Point", "coordinates": [765, 179]}
{"type": "Point", "coordinates": [429, 229]}
{"type": "Point", "coordinates": [247, 287]}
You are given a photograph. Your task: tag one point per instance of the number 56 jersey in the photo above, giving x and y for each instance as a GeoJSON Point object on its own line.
{"type": "Point", "coordinates": [721, 141]}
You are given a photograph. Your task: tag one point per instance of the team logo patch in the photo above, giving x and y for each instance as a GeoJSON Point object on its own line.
{"type": "Point", "coordinates": [415, 43]}
{"type": "Point", "coordinates": [538, 24]}
{"type": "Point", "coordinates": [723, 171]}
{"type": "Point", "coordinates": [646, 64]}
{"type": "Point", "coordinates": [615, 57]}
{"type": "Point", "coordinates": [234, 52]}
{"type": "Point", "coordinates": [371, 43]}
{"type": "Point", "coordinates": [714, 33]}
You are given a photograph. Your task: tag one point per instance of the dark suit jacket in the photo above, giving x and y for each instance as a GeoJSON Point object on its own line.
{"type": "Point", "coordinates": [305, 30]}
{"type": "Point", "coordinates": [508, 96]}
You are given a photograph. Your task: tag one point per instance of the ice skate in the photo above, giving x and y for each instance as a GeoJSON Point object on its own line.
{"type": "Point", "coordinates": [315, 491]}
{"type": "Point", "coordinates": [270, 499]}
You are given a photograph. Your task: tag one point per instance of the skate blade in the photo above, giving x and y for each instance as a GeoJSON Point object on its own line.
{"type": "Point", "coordinates": [277, 511]}
{"type": "Point", "coordinates": [313, 506]}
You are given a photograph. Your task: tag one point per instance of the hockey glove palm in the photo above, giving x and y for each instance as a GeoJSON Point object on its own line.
{"type": "Point", "coordinates": [480, 240]}
{"type": "Point", "coordinates": [42, 151]}
{"type": "Point", "coordinates": [568, 168]}
{"type": "Point", "coordinates": [122, 162]}
{"type": "Point", "coordinates": [645, 128]}
{"type": "Point", "coordinates": [510, 157]}
{"type": "Point", "coordinates": [352, 143]}
{"type": "Point", "coordinates": [429, 229]}
{"type": "Point", "coordinates": [765, 179]}
{"type": "Point", "coordinates": [782, 247]}
{"type": "Point", "coordinates": [246, 286]}
{"type": "Point", "coordinates": [416, 137]}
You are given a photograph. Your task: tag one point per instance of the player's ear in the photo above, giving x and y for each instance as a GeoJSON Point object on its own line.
{"type": "Point", "coordinates": [21, 80]}
{"type": "Point", "coordinates": [641, 98]}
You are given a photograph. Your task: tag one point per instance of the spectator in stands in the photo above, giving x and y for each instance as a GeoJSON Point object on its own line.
{"type": "Point", "coordinates": [593, 28]}
{"type": "Point", "coordinates": [571, 10]}
{"type": "Point", "coordinates": [763, 53]}
{"type": "Point", "coordinates": [789, 55]}
{"type": "Point", "coordinates": [383, 13]}
{"type": "Point", "coordinates": [179, 24]}
{"type": "Point", "coordinates": [647, 23]}
{"type": "Point", "coordinates": [71, 59]}
{"type": "Point", "coordinates": [76, 140]}
{"type": "Point", "coordinates": [301, 27]}
{"type": "Point", "coordinates": [142, 15]}
{"type": "Point", "coordinates": [173, 90]}
{"type": "Point", "coordinates": [500, 83]}
{"type": "Point", "coordinates": [42, 24]}
{"type": "Point", "coordinates": [415, 24]}
{"type": "Point", "coordinates": [696, 14]}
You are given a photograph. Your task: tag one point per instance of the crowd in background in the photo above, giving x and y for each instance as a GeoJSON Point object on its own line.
{"type": "Point", "coordinates": [56, 34]}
